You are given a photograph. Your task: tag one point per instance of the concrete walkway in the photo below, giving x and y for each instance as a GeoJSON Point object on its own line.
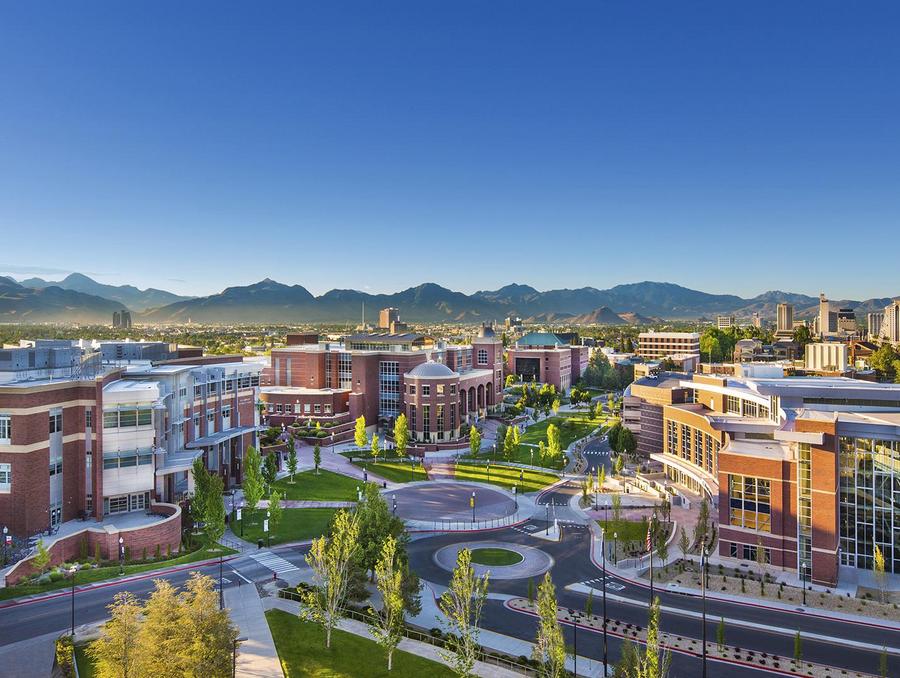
{"type": "Point", "coordinates": [256, 655]}
{"type": "Point", "coordinates": [29, 658]}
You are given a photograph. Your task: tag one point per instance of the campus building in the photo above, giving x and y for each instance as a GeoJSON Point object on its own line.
{"type": "Point", "coordinates": [102, 439]}
{"type": "Point", "coordinates": [442, 388]}
{"type": "Point", "coordinates": [807, 466]}
{"type": "Point", "coordinates": [680, 346]}
{"type": "Point", "coordinates": [784, 322]}
{"type": "Point", "coordinates": [544, 357]}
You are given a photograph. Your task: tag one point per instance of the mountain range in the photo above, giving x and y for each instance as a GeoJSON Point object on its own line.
{"type": "Point", "coordinates": [78, 298]}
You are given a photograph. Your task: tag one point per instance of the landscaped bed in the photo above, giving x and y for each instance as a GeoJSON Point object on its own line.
{"type": "Point", "coordinates": [495, 556]}
{"type": "Point", "coordinates": [326, 486]}
{"type": "Point", "coordinates": [505, 476]}
{"type": "Point", "coordinates": [295, 525]}
{"type": "Point", "coordinates": [301, 649]}
{"type": "Point", "coordinates": [395, 471]}
{"type": "Point", "coordinates": [111, 571]}
{"type": "Point", "coordinates": [572, 426]}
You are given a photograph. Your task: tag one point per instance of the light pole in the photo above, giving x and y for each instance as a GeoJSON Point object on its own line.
{"type": "Point", "coordinates": [803, 580]}
{"type": "Point", "coordinates": [516, 496]}
{"type": "Point", "coordinates": [72, 572]}
{"type": "Point", "coordinates": [650, 553]}
{"type": "Point", "coordinates": [268, 533]}
{"type": "Point", "coordinates": [703, 557]}
{"type": "Point", "coordinates": [395, 504]}
{"type": "Point", "coordinates": [615, 548]}
{"type": "Point", "coordinates": [121, 555]}
{"type": "Point", "coordinates": [221, 585]}
{"type": "Point", "coordinates": [547, 506]}
{"type": "Point", "coordinates": [5, 547]}
{"type": "Point", "coordinates": [605, 646]}
{"type": "Point", "coordinates": [240, 517]}
{"type": "Point", "coordinates": [472, 502]}
{"type": "Point", "coordinates": [234, 646]}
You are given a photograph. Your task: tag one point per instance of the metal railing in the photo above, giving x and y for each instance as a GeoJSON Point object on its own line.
{"type": "Point", "coordinates": [423, 637]}
{"type": "Point", "coordinates": [463, 525]}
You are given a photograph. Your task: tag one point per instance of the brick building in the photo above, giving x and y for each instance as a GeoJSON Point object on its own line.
{"type": "Point", "coordinates": [545, 358]}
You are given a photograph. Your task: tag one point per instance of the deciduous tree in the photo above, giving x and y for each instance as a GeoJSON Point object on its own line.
{"type": "Point", "coordinates": [114, 653]}
{"type": "Point", "coordinates": [317, 457]}
{"type": "Point", "coordinates": [389, 579]}
{"type": "Point", "coordinates": [292, 458]}
{"type": "Point", "coordinates": [276, 512]}
{"type": "Point", "coordinates": [401, 435]}
{"type": "Point", "coordinates": [549, 646]}
{"type": "Point", "coordinates": [461, 604]}
{"type": "Point", "coordinates": [474, 441]}
{"type": "Point", "coordinates": [253, 482]}
{"type": "Point", "coordinates": [359, 434]}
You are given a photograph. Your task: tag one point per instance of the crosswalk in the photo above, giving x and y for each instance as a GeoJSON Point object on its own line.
{"type": "Point", "coordinates": [597, 582]}
{"type": "Point", "coordinates": [276, 563]}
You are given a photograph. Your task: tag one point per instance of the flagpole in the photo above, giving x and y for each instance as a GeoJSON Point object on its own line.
{"type": "Point", "coordinates": [650, 551]}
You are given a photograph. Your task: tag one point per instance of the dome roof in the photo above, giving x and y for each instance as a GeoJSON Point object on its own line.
{"type": "Point", "coordinates": [486, 331]}
{"type": "Point", "coordinates": [431, 369]}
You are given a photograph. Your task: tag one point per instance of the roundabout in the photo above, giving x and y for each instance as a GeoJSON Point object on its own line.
{"type": "Point", "coordinates": [502, 560]}
{"type": "Point", "coordinates": [450, 500]}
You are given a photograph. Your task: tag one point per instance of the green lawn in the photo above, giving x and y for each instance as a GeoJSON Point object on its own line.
{"type": "Point", "coordinates": [628, 530]}
{"type": "Point", "coordinates": [505, 476]}
{"type": "Point", "coordinates": [327, 486]}
{"type": "Point", "coordinates": [295, 525]}
{"type": "Point", "coordinates": [492, 556]}
{"type": "Point", "coordinates": [301, 648]}
{"type": "Point", "coordinates": [572, 426]}
{"type": "Point", "coordinates": [395, 471]}
{"type": "Point", "coordinates": [85, 665]}
{"type": "Point", "coordinates": [111, 572]}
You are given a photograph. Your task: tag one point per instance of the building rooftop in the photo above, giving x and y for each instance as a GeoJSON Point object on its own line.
{"type": "Point", "coordinates": [300, 390]}
{"type": "Point", "coordinates": [385, 337]}
{"type": "Point", "coordinates": [431, 370]}
{"type": "Point", "coordinates": [539, 339]}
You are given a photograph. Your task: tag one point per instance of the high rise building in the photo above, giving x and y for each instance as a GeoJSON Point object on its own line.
{"type": "Point", "coordinates": [828, 317]}
{"type": "Point", "coordinates": [785, 320]}
{"type": "Point", "coordinates": [122, 319]}
{"type": "Point", "coordinates": [890, 325]}
{"type": "Point", "coordinates": [723, 322]}
{"type": "Point", "coordinates": [874, 321]}
{"type": "Point", "coordinates": [387, 316]}
{"type": "Point", "coordinates": [756, 320]}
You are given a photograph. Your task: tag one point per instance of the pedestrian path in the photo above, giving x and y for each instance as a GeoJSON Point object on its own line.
{"type": "Point", "coordinates": [596, 584]}
{"type": "Point", "coordinates": [257, 657]}
{"type": "Point", "coordinates": [274, 562]}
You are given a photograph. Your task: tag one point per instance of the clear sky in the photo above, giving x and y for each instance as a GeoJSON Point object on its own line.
{"type": "Point", "coordinates": [730, 147]}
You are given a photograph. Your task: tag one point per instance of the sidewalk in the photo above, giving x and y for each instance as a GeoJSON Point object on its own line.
{"type": "Point", "coordinates": [256, 655]}
{"type": "Point", "coordinates": [32, 657]}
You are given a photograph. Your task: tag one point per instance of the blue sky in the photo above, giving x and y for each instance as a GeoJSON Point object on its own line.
{"type": "Point", "coordinates": [729, 147]}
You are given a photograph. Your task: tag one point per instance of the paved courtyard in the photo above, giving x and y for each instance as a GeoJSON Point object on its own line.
{"type": "Point", "coordinates": [450, 501]}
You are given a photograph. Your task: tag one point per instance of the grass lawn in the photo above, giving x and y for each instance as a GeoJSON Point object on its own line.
{"type": "Point", "coordinates": [301, 648]}
{"type": "Point", "coordinates": [395, 471]}
{"type": "Point", "coordinates": [295, 525]}
{"type": "Point", "coordinates": [495, 557]}
{"type": "Point", "coordinates": [572, 426]}
{"type": "Point", "coordinates": [628, 530]}
{"type": "Point", "coordinates": [85, 665]}
{"type": "Point", "coordinates": [111, 572]}
{"type": "Point", "coordinates": [505, 476]}
{"type": "Point", "coordinates": [327, 486]}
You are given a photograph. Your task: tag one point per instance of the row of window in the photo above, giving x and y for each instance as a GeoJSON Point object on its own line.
{"type": "Point", "coordinates": [439, 389]}
{"type": "Point", "coordinates": [127, 418]}
{"type": "Point", "coordinates": [113, 460]}
{"type": "Point", "coordinates": [288, 408]}
{"type": "Point", "coordinates": [750, 503]}
{"type": "Point", "coordinates": [750, 552]}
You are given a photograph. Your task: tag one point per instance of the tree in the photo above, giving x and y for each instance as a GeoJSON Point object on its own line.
{"type": "Point", "coordinates": [270, 469]}
{"type": "Point", "coordinates": [878, 570]}
{"type": "Point", "coordinates": [710, 345]}
{"type": "Point", "coordinates": [292, 458]}
{"type": "Point", "coordinates": [209, 631]}
{"type": "Point", "coordinates": [684, 543]}
{"type": "Point", "coordinates": [161, 642]}
{"type": "Point", "coordinates": [275, 510]}
{"type": "Point", "coordinates": [509, 443]}
{"type": "Point", "coordinates": [802, 336]}
{"type": "Point", "coordinates": [389, 579]}
{"type": "Point", "coordinates": [798, 648]}
{"type": "Point", "coordinates": [461, 604]}
{"type": "Point", "coordinates": [474, 441]}
{"type": "Point", "coordinates": [359, 434]}
{"type": "Point", "coordinates": [331, 560]}
{"type": "Point", "coordinates": [761, 564]}
{"type": "Point", "coordinates": [201, 491]}
{"type": "Point", "coordinates": [401, 435]}
{"type": "Point", "coordinates": [253, 482]}
{"type": "Point", "coordinates": [616, 510]}
{"type": "Point", "coordinates": [554, 448]}
{"type": "Point", "coordinates": [41, 559]}
{"type": "Point", "coordinates": [549, 646]}
{"type": "Point", "coordinates": [619, 465]}
{"type": "Point", "coordinates": [720, 634]}
{"type": "Point", "coordinates": [214, 523]}
{"type": "Point", "coordinates": [701, 529]}
{"type": "Point", "coordinates": [531, 590]}
{"type": "Point", "coordinates": [601, 477]}
{"type": "Point", "coordinates": [627, 443]}
{"type": "Point", "coordinates": [375, 447]}
{"type": "Point", "coordinates": [317, 457]}
{"type": "Point", "coordinates": [662, 547]}
{"type": "Point", "coordinates": [114, 653]}
{"type": "Point", "coordinates": [589, 603]}
{"type": "Point", "coordinates": [542, 450]}
{"type": "Point", "coordinates": [655, 661]}
{"type": "Point", "coordinates": [555, 405]}
{"type": "Point", "coordinates": [511, 379]}
{"type": "Point", "coordinates": [883, 663]}
{"type": "Point", "coordinates": [613, 436]}
{"type": "Point", "coordinates": [500, 438]}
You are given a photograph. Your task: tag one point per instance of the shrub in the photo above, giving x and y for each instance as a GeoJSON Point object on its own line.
{"type": "Point", "coordinates": [97, 552]}
{"type": "Point", "coordinates": [65, 656]}
{"type": "Point", "coordinates": [157, 551]}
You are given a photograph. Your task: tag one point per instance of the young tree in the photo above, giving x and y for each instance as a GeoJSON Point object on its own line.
{"type": "Point", "coordinates": [209, 631]}
{"type": "Point", "coordinates": [270, 469]}
{"type": "Point", "coordinates": [509, 443]}
{"type": "Point", "coordinates": [531, 590]}
{"type": "Point", "coordinates": [601, 477]}
{"type": "Point", "coordinates": [461, 603]}
{"type": "Point", "coordinates": [798, 648]}
{"type": "Point", "coordinates": [500, 437]}
{"type": "Point", "coordinates": [555, 405]}
{"type": "Point", "coordinates": [554, 448]}
{"type": "Point", "coordinates": [655, 661]}
{"type": "Point", "coordinates": [878, 570]}
{"type": "Point", "coordinates": [115, 653]}
{"type": "Point", "coordinates": [275, 510]}
{"type": "Point", "coordinates": [627, 443]}
{"type": "Point", "coordinates": [389, 579]}
{"type": "Point", "coordinates": [253, 482]}
{"type": "Point", "coordinates": [549, 646]}
{"type": "Point", "coordinates": [589, 603]}
{"type": "Point", "coordinates": [542, 450]}
{"type": "Point", "coordinates": [662, 547]}
{"type": "Point", "coordinates": [474, 441]}
{"type": "Point", "coordinates": [201, 491]}
{"type": "Point", "coordinates": [401, 435]}
{"type": "Point", "coordinates": [161, 643]}
{"type": "Point", "coordinates": [511, 379]}
{"type": "Point", "coordinates": [317, 457]}
{"type": "Point", "coordinates": [761, 564]}
{"type": "Point", "coordinates": [701, 529]}
{"type": "Point", "coordinates": [619, 465]}
{"type": "Point", "coordinates": [375, 447]}
{"type": "Point", "coordinates": [214, 524]}
{"type": "Point", "coordinates": [292, 458]}
{"type": "Point", "coordinates": [376, 525]}
{"type": "Point", "coordinates": [359, 434]}
{"type": "Point", "coordinates": [41, 559]}
{"type": "Point", "coordinates": [616, 510]}
{"type": "Point", "coordinates": [331, 560]}
{"type": "Point", "coordinates": [720, 634]}
{"type": "Point", "coordinates": [684, 544]}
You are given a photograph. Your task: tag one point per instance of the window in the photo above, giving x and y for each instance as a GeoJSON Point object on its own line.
{"type": "Point", "coordinates": [89, 418]}
{"type": "Point", "coordinates": [749, 503]}
{"type": "Point", "coordinates": [733, 404]}
{"type": "Point", "coordinates": [307, 408]}
{"type": "Point", "coordinates": [482, 356]}
{"type": "Point", "coordinates": [685, 443]}
{"type": "Point", "coordinates": [671, 437]}
{"type": "Point", "coordinates": [144, 417]}
{"type": "Point", "coordinates": [412, 417]}
{"type": "Point", "coordinates": [317, 408]}
{"type": "Point", "coordinates": [439, 415]}
{"type": "Point", "coordinates": [226, 411]}
{"type": "Point", "coordinates": [196, 425]}
{"type": "Point", "coordinates": [426, 420]}
{"type": "Point", "coordinates": [56, 421]}
{"type": "Point", "coordinates": [182, 392]}
{"type": "Point", "coordinates": [279, 408]}
{"type": "Point", "coordinates": [198, 391]}
{"type": "Point", "coordinates": [56, 468]}
{"type": "Point", "coordinates": [5, 477]}
{"type": "Point", "coordinates": [439, 389]}
{"type": "Point", "coordinates": [426, 390]}
{"type": "Point", "coordinates": [117, 504]}
{"type": "Point", "coordinates": [733, 550]}
{"type": "Point", "coordinates": [288, 409]}
{"type": "Point", "coordinates": [327, 409]}
{"type": "Point", "coordinates": [452, 389]}
{"type": "Point", "coordinates": [750, 409]}
{"type": "Point", "coordinates": [412, 389]}
{"type": "Point", "coordinates": [5, 428]}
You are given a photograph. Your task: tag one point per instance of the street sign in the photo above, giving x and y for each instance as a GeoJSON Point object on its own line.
{"type": "Point", "coordinates": [265, 524]}
{"type": "Point", "coordinates": [239, 514]}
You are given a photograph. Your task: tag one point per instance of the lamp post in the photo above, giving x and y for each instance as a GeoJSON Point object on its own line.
{"type": "Point", "coordinates": [268, 533]}
{"type": "Point", "coordinates": [72, 573]}
{"type": "Point", "coordinates": [240, 517]}
{"type": "Point", "coordinates": [489, 470]}
{"type": "Point", "coordinates": [803, 580]}
{"type": "Point", "coordinates": [5, 547]}
{"type": "Point", "coordinates": [605, 645]}
{"type": "Point", "coordinates": [547, 506]}
{"type": "Point", "coordinates": [121, 555]}
{"type": "Point", "coordinates": [221, 585]}
{"type": "Point", "coordinates": [615, 548]}
{"type": "Point", "coordinates": [395, 504]}
{"type": "Point", "coordinates": [234, 646]}
{"type": "Point", "coordinates": [703, 557]}
{"type": "Point", "coordinates": [472, 503]}
{"type": "Point", "coordinates": [516, 496]}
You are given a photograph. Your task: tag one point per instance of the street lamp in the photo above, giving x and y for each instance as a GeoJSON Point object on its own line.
{"type": "Point", "coordinates": [516, 496]}
{"type": "Point", "coordinates": [72, 572]}
{"type": "Point", "coordinates": [121, 555]}
{"type": "Point", "coordinates": [221, 584]}
{"type": "Point", "coordinates": [803, 580]}
{"type": "Point", "coordinates": [605, 645]}
{"type": "Point", "coordinates": [5, 532]}
{"type": "Point", "coordinates": [615, 548]}
{"type": "Point", "coordinates": [703, 557]}
{"type": "Point", "coordinates": [268, 533]}
{"type": "Point", "coordinates": [234, 646]}
{"type": "Point", "coordinates": [240, 517]}
{"type": "Point", "coordinates": [395, 504]}
{"type": "Point", "coordinates": [547, 506]}
{"type": "Point", "coordinates": [472, 502]}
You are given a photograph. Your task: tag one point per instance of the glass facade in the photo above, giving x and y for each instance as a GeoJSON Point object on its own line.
{"type": "Point", "coordinates": [870, 501]}
{"type": "Point", "coordinates": [804, 505]}
{"type": "Point", "coordinates": [345, 370]}
{"type": "Point", "coordinates": [750, 503]}
{"type": "Point", "coordinates": [388, 389]}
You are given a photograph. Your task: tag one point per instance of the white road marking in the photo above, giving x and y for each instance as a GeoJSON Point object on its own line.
{"type": "Point", "coordinates": [274, 562]}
